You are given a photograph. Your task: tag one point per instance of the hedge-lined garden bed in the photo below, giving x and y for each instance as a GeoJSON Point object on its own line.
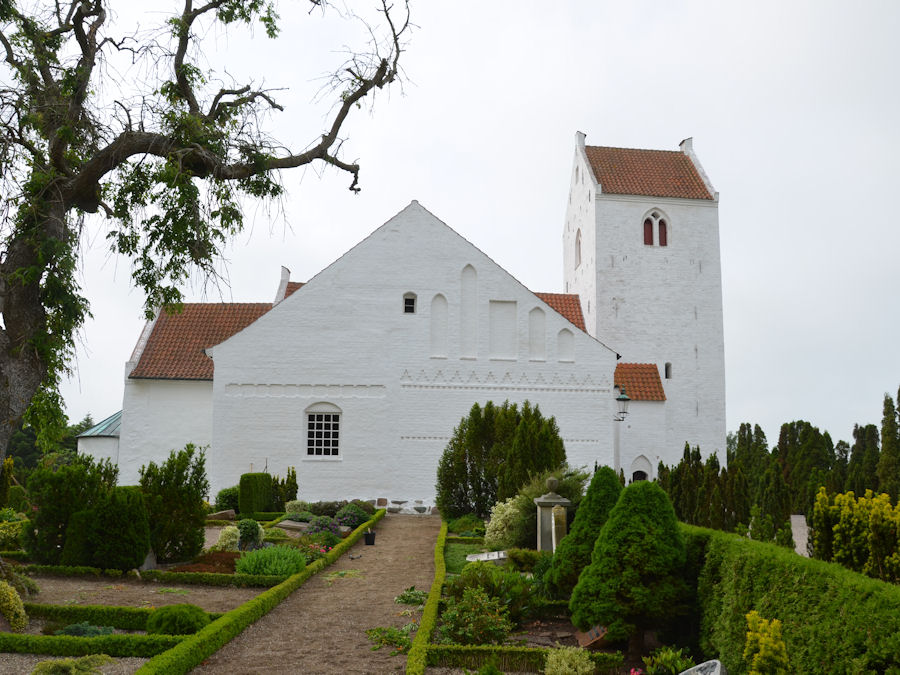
{"type": "Point", "coordinates": [173, 654]}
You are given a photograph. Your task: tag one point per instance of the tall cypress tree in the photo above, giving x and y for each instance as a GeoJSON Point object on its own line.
{"type": "Point", "coordinates": [889, 462]}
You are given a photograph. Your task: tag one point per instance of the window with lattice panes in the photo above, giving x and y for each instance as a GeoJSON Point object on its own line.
{"type": "Point", "coordinates": [323, 434]}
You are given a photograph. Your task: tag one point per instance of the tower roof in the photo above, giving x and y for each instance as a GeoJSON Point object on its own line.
{"type": "Point", "coordinates": [652, 173]}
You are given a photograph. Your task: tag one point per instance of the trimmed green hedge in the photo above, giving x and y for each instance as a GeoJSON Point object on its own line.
{"type": "Point", "coordinates": [125, 618]}
{"type": "Point", "coordinates": [214, 579]}
{"type": "Point", "coordinates": [266, 516]}
{"type": "Point", "coordinates": [254, 492]}
{"type": "Point", "coordinates": [416, 659]}
{"type": "Point", "coordinates": [67, 645]}
{"type": "Point", "coordinates": [68, 571]}
{"type": "Point", "coordinates": [507, 658]}
{"type": "Point", "coordinates": [210, 522]}
{"type": "Point", "coordinates": [193, 650]}
{"type": "Point", "coordinates": [833, 620]}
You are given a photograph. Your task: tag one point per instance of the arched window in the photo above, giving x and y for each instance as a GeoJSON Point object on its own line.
{"type": "Point", "coordinates": [668, 371]}
{"type": "Point", "coordinates": [656, 229]}
{"type": "Point", "coordinates": [578, 248]}
{"type": "Point", "coordinates": [323, 429]}
{"type": "Point", "coordinates": [409, 303]}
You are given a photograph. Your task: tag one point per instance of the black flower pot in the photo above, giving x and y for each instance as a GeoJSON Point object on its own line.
{"type": "Point", "coordinates": [370, 538]}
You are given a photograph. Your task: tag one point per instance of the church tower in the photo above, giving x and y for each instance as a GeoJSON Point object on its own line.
{"type": "Point", "coordinates": [641, 250]}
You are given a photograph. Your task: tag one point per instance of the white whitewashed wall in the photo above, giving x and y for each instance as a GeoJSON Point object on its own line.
{"type": "Point", "coordinates": [401, 381]}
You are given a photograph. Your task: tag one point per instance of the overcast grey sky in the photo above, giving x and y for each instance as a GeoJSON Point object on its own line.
{"type": "Point", "coordinates": [793, 107]}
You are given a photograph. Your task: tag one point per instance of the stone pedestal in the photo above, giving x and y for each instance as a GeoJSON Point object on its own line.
{"type": "Point", "coordinates": [545, 504]}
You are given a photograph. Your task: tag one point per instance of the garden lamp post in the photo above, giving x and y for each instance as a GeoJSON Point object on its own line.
{"type": "Point", "coordinates": [621, 412]}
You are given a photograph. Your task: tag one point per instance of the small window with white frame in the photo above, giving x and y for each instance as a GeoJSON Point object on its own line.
{"type": "Point", "coordinates": [409, 303]}
{"type": "Point", "coordinates": [323, 431]}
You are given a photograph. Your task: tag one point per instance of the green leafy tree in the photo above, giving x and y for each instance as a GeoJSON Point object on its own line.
{"type": "Point", "coordinates": [573, 553]}
{"type": "Point", "coordinates": [634, 580]}
{"type": "Point", "coordinates": [889, 461]}
{"type": "Point", "coordinates": [168, 156]}
{"type": "Point", "coordinates": [175, 492]}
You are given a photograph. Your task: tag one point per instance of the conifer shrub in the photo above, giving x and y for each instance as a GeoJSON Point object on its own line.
{"type": "Point", "coordinates": [283, 490]}
{"type": "Point", "coordinates": [6, 477]}
{"type": "Point", "coordinates": [255, 493]}
{"type": "Point", "coordinates": [351, 516]}
{"type": "Point", "coordinates": [765, 652]}
{"type": "Point", "coordinates": [83, 665]}
{"type": "Point", "coordinates": [56, 492]}
{"type": "Point", "coordinates": [175, 492]}
{"type": "Point", "coordinates": [227, 498]}
{"type": "Point", "coordinates": [17, 499]}
{"type": "Point", "coordinates": [84, 629]}
{"type": "Point", "coordinates": [78, 549]}
{"type": "Point", "coordinates": [272, 560]}
{"type": "Point", "coordinates": [184, 619]}
{"type": "Point", "coordinates": [251, 534]}
{"type": "Point", "coordinates": [573, 553]}
{"type": "Point", "coordinates": [12, 608]}
{"type": "Point", "coordinates": [121, 538]}
{"type": "Point", "coordinates": [634, 581]}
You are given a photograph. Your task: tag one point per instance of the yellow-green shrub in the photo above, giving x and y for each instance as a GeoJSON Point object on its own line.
{"type": "Point", "coordinates": [11, 607]}
{"type": "Point", "coordinates": [765, 652]}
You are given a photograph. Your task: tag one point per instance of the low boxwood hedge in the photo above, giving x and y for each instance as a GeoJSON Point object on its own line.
{"type": "Point", "coordinates": [67, 645]}
{"type": "Point", "coordinates": [418, 652]}
{"type": "Point", "coordinates": [124, 618]}
{"type": "Point", "coordinates": [214, 579]}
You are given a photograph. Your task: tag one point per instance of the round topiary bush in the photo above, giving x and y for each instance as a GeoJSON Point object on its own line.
{"type": "Point", "coordinates": [182, 619]}
{"type": "Point", "coordinates": [227, 498]}
{"type": "Point", "coordinates": [574, 551]}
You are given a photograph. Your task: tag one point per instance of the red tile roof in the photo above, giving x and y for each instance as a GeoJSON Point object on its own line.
{"type": "Point", "coordinates": [567, 304]}
{"type": "Point", "coordinates": [292, 287]}
{"type": "Point", "coordinates": [641, 381]}
{"type": "Point", "coordinates": [174, 350]}
{"type": "Point", "coordinates": [654, 173]}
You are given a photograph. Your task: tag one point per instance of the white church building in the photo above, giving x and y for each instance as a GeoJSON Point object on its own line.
{"type": "Point", "coordinates": [367, 412]}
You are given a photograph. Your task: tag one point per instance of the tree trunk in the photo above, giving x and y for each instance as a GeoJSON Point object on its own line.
{"type": "Point", "coordinates": [24, 330]}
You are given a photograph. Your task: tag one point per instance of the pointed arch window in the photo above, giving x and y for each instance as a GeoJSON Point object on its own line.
{"type": "Point", "coordinates": [578, 248]}
{"type": "Point", "coordinates": [656, 230]}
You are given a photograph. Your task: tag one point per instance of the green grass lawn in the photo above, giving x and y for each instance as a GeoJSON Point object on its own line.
{"type": "Point", "coordinates": [455, 555]}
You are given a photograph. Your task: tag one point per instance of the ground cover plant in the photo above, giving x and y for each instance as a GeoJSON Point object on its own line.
{"type": "Point", "coordinates": [455, 555]}
{"type": "Point", "coordinates": [272, 560]}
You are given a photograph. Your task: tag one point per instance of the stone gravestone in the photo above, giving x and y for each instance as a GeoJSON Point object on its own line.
{"type": "Point", "coordinates": [545, 504]}
{"type": "Point", "coordinates": [559, 525]}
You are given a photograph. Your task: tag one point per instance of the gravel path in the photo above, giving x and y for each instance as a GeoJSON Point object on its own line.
{"type": "Point", "coordinates": [320, 629]}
